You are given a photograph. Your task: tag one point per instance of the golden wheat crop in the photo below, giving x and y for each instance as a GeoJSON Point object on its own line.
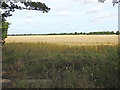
{"type": "Point", "coordinates": [67, 39]}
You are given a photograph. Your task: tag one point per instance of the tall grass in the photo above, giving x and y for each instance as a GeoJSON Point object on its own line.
{"type": "Point", "coordinates": [60, 65]}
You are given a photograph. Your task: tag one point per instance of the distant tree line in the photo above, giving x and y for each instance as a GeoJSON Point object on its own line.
{"type": "Point", "coordinates": [29, 5]}
{"type": "Point", "coordinates": [7, 8]}
{"type": "Point", "coordinates": [75, 33]}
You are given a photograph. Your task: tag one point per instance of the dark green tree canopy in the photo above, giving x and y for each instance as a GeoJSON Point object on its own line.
{"type": "Point", "coordinates": [13, 5]}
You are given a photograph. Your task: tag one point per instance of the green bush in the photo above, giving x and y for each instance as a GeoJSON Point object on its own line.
{"type": "Point", "coordinates": [4, 28]}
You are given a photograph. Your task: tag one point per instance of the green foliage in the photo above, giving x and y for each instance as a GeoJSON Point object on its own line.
{"type": "Point", "coordinates": [75, 33]}
{"type": "Point", "coordinates": [4, 29]}
{"type": "Point", "coordinates": [117, 33]}
{"type": "Point", "coordinates": [11, 8]}
{"type": "Point", "coordinates": [32, 6]}
{"type": "Point", "coordinates": [75, 67]}
{"type": "Point", "coordinates": [4, 5]}
{"type": "Point", "coordinates": [112, 32]}
{"type": "Point", "coordinates": [37, 6]}
{"type": "Point", "coordinates": [4, 26]}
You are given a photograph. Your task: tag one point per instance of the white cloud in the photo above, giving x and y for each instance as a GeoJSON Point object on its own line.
{"type": "Point", "coordinates": [29, 20]}
{"type": "Point", "coordinates": [58, 25]}
{"type": "Point", "coordinates": [86, 1]}
{"type": "Point", "coordinates": [30, 15]}
{"type": "Point", "coordinates": [96, 9]}
{"type": "Point", "coordinates": [110, 16]}
{"type": "Point", "coordinates": [63, 13]}
{"type": "Point", "coordinates": [63, 7]}
{"type": "Point", "coordinates": [96, 20]}
{"type": "Point", "coordinates": [68, 23]}
{"type": "Point", "coordinates": [99, 18]}
{"type": "Point", "coordinates": [37, 0]}
{"type": "Point", "coordinates": [89, 1]}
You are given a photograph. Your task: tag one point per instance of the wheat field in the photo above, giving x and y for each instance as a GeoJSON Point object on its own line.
{"type": "Point", "coordinates": [66, 39]}
{"type": "Point", "coordinates": [49, 62]}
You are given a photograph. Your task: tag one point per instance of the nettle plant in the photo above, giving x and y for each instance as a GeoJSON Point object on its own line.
{"type": "Point", "coordinates": [8, 6]}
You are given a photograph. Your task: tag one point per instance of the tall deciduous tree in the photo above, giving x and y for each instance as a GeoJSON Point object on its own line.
{"type": "Point", "coordinates": [8, 6]}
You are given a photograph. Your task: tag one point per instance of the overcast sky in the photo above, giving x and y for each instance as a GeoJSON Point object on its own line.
{"type": "Point", "coordinates": [66, 16]}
